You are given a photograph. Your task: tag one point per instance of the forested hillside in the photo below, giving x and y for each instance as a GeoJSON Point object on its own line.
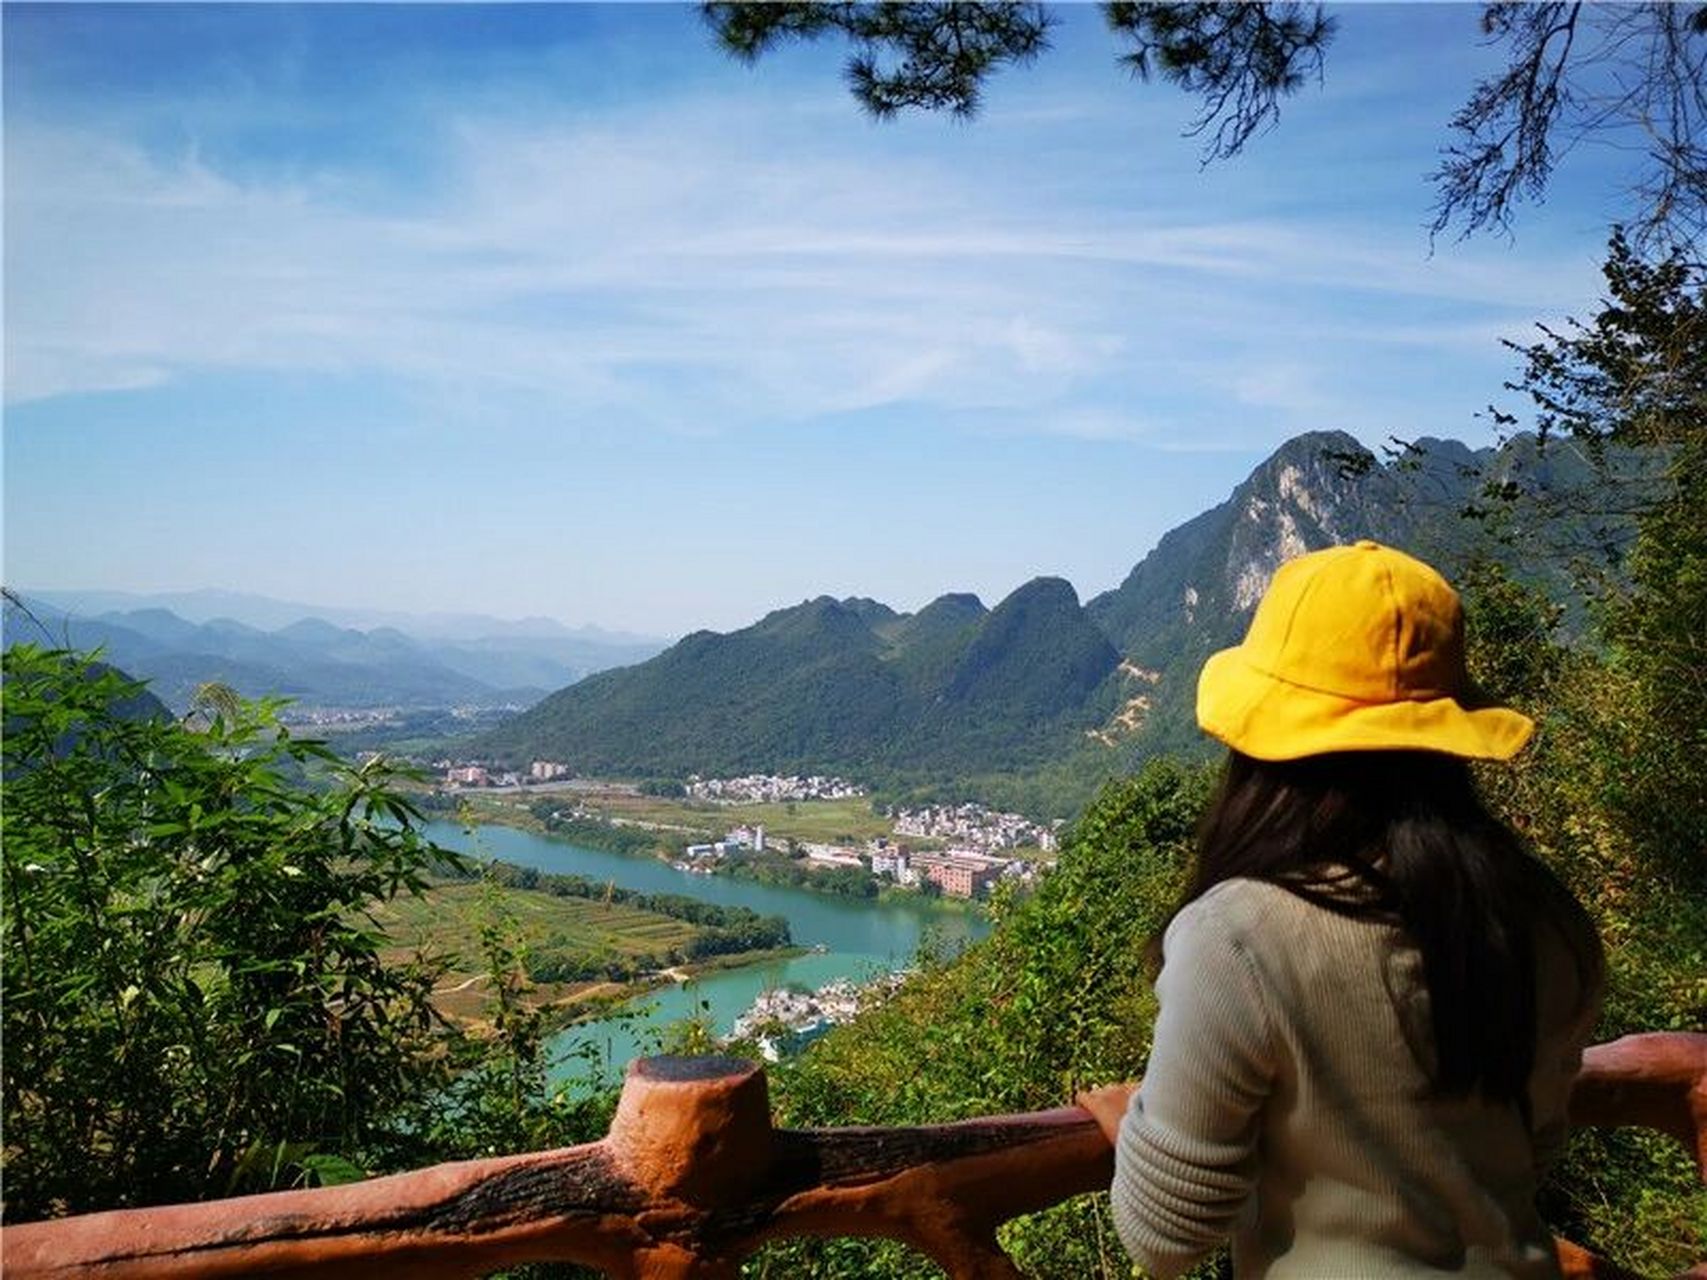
{"type": "Point", "coordinates": [842, 685]}
{"type": "Point", "coordinates": [1041, 689]}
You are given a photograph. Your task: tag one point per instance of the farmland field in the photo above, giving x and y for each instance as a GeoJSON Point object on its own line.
{"type": "Point", "coordinates": [450, 916]}
{"type": "Point", "coordinates": [679, 821]}
{"type": "Point", "coordinates": [448, 919]}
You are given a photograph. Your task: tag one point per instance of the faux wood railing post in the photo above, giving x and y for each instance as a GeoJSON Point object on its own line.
{"type": "Point", "coordinates": [692, 1177]}
{"type": "Point", "coordinates": [693, 1135]}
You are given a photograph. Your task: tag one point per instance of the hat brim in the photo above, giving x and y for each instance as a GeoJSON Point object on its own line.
{"type": "Point", "coordinates": [1269, 718]}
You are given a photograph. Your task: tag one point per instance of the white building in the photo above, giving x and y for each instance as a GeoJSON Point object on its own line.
{"type": "Point", "coordinates": [829, 855]}
{"type": "Point", "coordinates": [746, 838]}
{"type": "Point", "coordinates": [890, 861]}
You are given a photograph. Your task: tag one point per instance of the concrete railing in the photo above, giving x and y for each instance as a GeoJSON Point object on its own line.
{"type": "Point", "coordinates": [693, 1177]}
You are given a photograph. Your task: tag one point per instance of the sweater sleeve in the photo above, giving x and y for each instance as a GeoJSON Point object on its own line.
{"type": "Point", "coordinates": [1185, 1159]}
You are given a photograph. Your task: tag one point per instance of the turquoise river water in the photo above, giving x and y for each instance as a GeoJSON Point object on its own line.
{"type": "Point", "coordinates": [860, 937]}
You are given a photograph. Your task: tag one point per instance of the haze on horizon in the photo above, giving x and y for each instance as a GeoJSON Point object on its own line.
{"type": "Point", "coordinates": [555, 310]}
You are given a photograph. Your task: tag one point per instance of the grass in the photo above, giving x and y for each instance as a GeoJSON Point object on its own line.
{"type": "Point", "coordinates": [447, 920]}
{"type": "Point", "coordinates": [449, 917]}
{"type": "Point", "coordinates": [819, 821]}
{"type": "Point", "coordinates": [846, 821]}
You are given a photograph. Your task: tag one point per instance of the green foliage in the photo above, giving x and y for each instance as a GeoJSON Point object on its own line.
{"type": "Point", "coordinates": [844, 686]}
{"type": "Point", "coordinates": [196, 997]}
{"type": "Point", "coordinates": [1240, 60]}
{"type": "Point", "coordinates": [592, 833]}
{"type": "Point", "coordinates": [777, 868]}
{"type": "Point", "coordinates": [1547, 97]}
{"type": "Point", "coordinates": [1614, 791]}
{"type": "Point", "coordinates": [193, 988]}
{"type": "Point", "coordinates": [907, 56]}
{"type": "Point", "coordinates": [497, 1100]}
{"type": "Point", "coordinates": [1586, 795]}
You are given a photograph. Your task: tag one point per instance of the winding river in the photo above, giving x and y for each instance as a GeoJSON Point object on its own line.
{"type": "Point", "coordinates": [860, 938]}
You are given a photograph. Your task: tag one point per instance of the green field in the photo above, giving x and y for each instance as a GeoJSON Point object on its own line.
{"type": "Point", "coordinates": [820, 821]}
{"type": "Point", "coordinates": [680, 821]}
{"type": "Point", "coordinates": [448, 918]}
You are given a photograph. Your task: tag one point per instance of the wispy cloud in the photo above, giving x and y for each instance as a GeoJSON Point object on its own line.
{"type": "Point", "coordinates": [673, 264]}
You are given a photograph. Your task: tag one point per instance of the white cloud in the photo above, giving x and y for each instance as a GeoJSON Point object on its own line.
{"type": "Point", "coordinates": [1097, 424]}
{"type": "Point", "coordinates": [675, 264]}
{"type": "Point", "coordinates": [1291, 388]}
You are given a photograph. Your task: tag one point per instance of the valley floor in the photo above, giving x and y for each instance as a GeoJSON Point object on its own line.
{"type": "Point", "coordinates": [633, 948]}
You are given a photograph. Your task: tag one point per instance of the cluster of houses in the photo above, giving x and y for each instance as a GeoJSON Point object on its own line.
{"type": "Point", "coordinates": [337, 717]}
{"type": "Point", "coordinates": [479, 775]}
{"type": "Point", "coordinates": [784, 1020]}
{"type": "Point", "coordinates": [981, 848]}
{"type": "Point", "coordinates": [974, 826]}
{"type": "Point", "coordinates": [958, 873]}
{"type": "Point", "coordinates": [770, 788]}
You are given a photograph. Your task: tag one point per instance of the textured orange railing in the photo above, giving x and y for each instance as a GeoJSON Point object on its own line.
{"type": "Point", "coordinates": [692, 1177]}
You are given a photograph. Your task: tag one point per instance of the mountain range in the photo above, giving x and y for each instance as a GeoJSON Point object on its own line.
{"type": "Point", "coordinates": [314, 660]}
{"type": "Point", "coordinates": [1041, 680]}
{"type": "Point", "coordinates": [268, 613]}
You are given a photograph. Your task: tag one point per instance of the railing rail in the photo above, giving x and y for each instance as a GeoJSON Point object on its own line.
{"type": "Point", "coordinates": [693, 1177]}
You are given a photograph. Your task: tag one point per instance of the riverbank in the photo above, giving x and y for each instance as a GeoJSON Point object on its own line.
{"type": "Point", "coordinates": [839, 882]}
{"type": "Point", "coordinates": [845, 938]}
{"type": "Point", "coordinates": [574, 945]}
{"type": "Point", "coordinates": [564, 1006]}
{"type": "Point", "coordinates": [642, 838]}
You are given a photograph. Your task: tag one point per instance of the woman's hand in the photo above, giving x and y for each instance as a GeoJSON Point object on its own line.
{"type": "Point", "coordinates": [1107, 1105]}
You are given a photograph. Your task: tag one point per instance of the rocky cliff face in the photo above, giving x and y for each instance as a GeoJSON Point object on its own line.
{"type": "Point", "coordinates": [1196, 591]}
{"type": "Point", "coordinates": [1318, 490]}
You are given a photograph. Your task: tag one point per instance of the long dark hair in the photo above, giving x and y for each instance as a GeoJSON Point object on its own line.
{"type": "Point", "coordinates": [1403, 837]}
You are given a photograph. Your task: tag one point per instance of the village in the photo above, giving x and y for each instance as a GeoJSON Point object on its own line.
{"type": "Point", "coordinates": [472, 775]}
{"type": "Point", "coordinates": [983, 846]}
{"type": "Point", "coordinates": [784, 1020]}
{"type": "Point", "coordinates": [952, 850]}
{"type": "Point", "coordinates": [768, 788]}
{"type": "Point", "coordinates": [953, 872]}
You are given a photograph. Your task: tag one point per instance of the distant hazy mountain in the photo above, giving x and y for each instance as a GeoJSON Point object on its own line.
{"type": "Point", "coordinates": [268, 614]}
{"type": "Point", "coordinates": [852, 685]}
{"type": "Point", "coordinates": [315, 661]}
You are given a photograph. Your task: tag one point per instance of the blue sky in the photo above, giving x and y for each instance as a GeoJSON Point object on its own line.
{"type": "Point", "coordinates": [557, 310]}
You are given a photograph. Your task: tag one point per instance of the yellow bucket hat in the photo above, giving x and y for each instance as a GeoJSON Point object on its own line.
{"type": "Point", "coordinates": [1356, 648]}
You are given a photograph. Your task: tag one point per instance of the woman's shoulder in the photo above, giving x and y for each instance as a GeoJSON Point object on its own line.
{"type": "Point", "coordinates": [1239, 903]}
{"type": "Point", "coordinates": [1239, 914]}
{"type": "Point", "coordinates": [1259, 915]}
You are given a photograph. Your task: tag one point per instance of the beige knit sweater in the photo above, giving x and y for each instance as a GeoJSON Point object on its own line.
{"type": "Point", "coordinates": [1286, 1106]}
